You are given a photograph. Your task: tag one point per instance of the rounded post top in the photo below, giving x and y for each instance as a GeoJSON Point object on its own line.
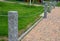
{"type": "Point", "coordinates": [13, 12]}
{"type": "Point", "coordinates": [46, 4]}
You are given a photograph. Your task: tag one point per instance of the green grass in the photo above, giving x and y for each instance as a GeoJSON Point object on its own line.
{"type": "Point", "coordinates": [2, 40]}
{"type": "Point", "coordinates": [58, 4]}
{"type": "Point", "coordinates": [27, 16]}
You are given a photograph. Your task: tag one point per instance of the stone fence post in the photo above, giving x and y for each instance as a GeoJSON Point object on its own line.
{"type": "Point", "coordinates": [45, 10]}
{"type": "Point", "coordinates": [12, 26]}
{"type": "Point", "coordinates": [50, 7]}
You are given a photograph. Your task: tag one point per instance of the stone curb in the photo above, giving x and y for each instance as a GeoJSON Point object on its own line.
{"type": "Point", "coordinates": [24, 34]}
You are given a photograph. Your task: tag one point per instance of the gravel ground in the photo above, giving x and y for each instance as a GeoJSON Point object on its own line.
{"type": "Point", "coordinates": [46, 30]}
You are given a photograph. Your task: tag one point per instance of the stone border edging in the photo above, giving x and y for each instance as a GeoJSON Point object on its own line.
{"type": "Point", "coordinates": [24, 34]}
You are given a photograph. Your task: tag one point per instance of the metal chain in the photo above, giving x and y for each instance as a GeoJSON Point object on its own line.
{"type": "Point", "coordinates": [20, 16]}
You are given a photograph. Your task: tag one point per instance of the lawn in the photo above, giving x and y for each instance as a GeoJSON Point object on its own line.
{"type": "Point", "coordinates": [27, 16]}
{"type": "Point", "coordinates": [58, 4]}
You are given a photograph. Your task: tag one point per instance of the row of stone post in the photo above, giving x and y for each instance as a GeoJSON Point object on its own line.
{"type": "Point", "coordinates": [13, 22]}
{"type": "Point", "coordinates": [48, 7]}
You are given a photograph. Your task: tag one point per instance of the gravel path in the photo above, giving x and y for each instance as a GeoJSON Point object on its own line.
{"type": "Point", "coordinates": [46, 30]}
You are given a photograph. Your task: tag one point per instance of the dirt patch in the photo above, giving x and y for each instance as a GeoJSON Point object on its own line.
{"type": "Point", "coordinates": [3, 38]}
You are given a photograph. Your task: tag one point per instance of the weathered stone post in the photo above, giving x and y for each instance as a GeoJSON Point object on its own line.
{"type": "Point", "coordinates": [54, 4]}
{"type": "Point", "coordinates": [50, 7]}
{"type": "Point", "coordinates": [30, 2]}
{"type": "Point", "coordinates": [12, 26]}
{"type": "Point", "coordinates": [45, 10]}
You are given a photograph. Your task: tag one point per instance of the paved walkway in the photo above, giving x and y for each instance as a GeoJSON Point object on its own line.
{"type": "Point", "coordinates": [46, 30]}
